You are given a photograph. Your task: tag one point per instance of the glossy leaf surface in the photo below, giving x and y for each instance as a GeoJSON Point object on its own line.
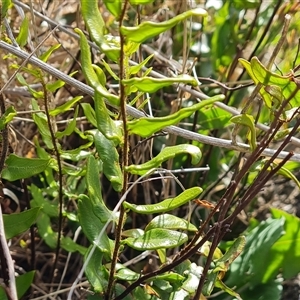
{"type": "Point", "coordinates": [147, 126]}
{"type": "Point", "coordinates": [165, 205]}
{"type": "Point", "coordinates": [21, 167]}
{"type": "Point", "coordinates": [170, 222]}
{"type": "Point", "coordinates": [156, 239]}
{"type": "Point", "coordinates": [17, 223]}
{"type": "Point", "coordinates": [149, 29]}
{"type": "Point", "coordinates": [165, 154]}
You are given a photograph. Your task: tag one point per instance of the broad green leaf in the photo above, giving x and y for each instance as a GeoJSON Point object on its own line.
{"type": "Point", "coordinates": [89, 113]}
{"type": "Point", "coordinates": [287, 174]}
{"type": "Point", "coordinates": [110, 158]}
{"type": "Point", "coordinates": [8, 115]}
{"type": "Point", "coordinates": [123, 273]}
{"type": "Point", "coordinates": [211, 118]}
{"type": "Point", "coordinates": [266, 96]}
{"type": "Point", "coordinates": [156, 239]}
{"type": "Point", "coordinates": [17, 223]}
{"type": "Point", "coordinates": [104, 122]}
{"type": "Point", "coordinates": [170, 222]}
{"type": "Point", "coordinates": [135, 69]}
{"type": "Point", "coordinates": [151, 84]}
{"type": "Point", "coordinates": [54, 86]}
{"type": "Point", "coordinates": [34, 93]}
{"type": "Point", "coordinates": [136, 232]}
{"type": "Point", "coordinates": [23, 34]}
{"type": "Point", "coordinates": [284, 255]}
{"type": "Point", "coordinates": [267, 77]}
{"type": "Point", "coordinates": [45, 56]}
{"type": "Point", "coordinates": [69, 245]}
{"type": "Point", "coordinates": [23, 283]}
{"type": "Point", "coordinates": [40, 119]}
{"type": "Point", "coordinates": [165, 154]}
{"type": "Point", "coordinates": [65, 107]}
{"type": "Point", "coordinates": [171, 277]}
{"type": "Point", "coordinates": [50, 209]}
{"type": "Point", "coordinates": [147, 126]}
{"type": "Point", "coordinates": [21, 167]}
{"type": "Point", "coordinates": [114, 6]}
{"type": "Point", "coordinates": [231, 254]}
{"type": "Point", "coordinates": [247, 120]}
{"type": "Point", "coordinates": [93, 181]}
{"type": "Point", "coordinates": [100, 74]}
{"type": "Point", "coordinates": [95, 272]}
{"type": "Point", "coordinates": [89, 72]}
{"type": "Point", "coordinates": [149, 29]}
{"type": "Point", "coordinates": [70, 127]}
{"type": "Point", "coordinates": [92, 225]}
{"type": "Point", "coordinates": [45, 230]}
{"type": "Point", "coordinates": [248, 266]}
{"type": "Point", "coordinates": [165, 205]}
{"type": "Point", "coordinates": [96, 27]}
{"type": "Point", "coordinates": [221, 285]}
{"type": "Point", "coordinates": [93, 19]}
{"type": "Point", "coordinates": [140, 2]}
{"type": "Point", "coordinates": [5, 4]}
{"type": "Point", "coordinates": [210, 283]}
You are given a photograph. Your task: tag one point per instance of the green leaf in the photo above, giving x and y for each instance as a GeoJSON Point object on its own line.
{"type": "Point", "coordinates": [147, 126]}
{"type": "Point", "coordinates": [156, 239]}
{"type": "Point", "coordinates": [165, 205]}
{"type": "Point", "coordinates": [104, 122]}
{"type": "Point", "coordinates": [123, 273]}
{"type": "Point", "coordinates": [45, 56]}
{"type": "Point", "coordinates": [93, 19]}
{"type": "Point", "coordinates": [95, 272]}
{"type": "Point", "coordinates": [211, 118]}
{"type": "Point", "coordinates": [23, 283]}
{"type": "Point", "coordinates": [165, 154]}
{"type": "Point", "coordinates": [149, 29]}
{"type": "Point", "coordinates": [40, 119]}
{"type": "Point", "coordinates": [170, 222]}
{"type": "Point", "coordinates": [221, 285]}
{"type": "Point", "coordinates": [54, 86]}
{"type": "Point", "coordinates": [17, 223]}
{"type": "Point", "coordinates": [247, 120]}
{"type": "Point", "coordinates": [110, 158]}
{"type": "Point", "coordinates": [100, 74]}
{"type": "Point", "coordinates": [135, 69]}
{"type": "Point", "coordinates": [89, 72]}
{"type": "Point", "coordinates": [96, 27]}
{"type": "Point", "coordinates": [92, 225]}
{"type": "Point", "coordinates": [140, 2]}
{"type": "Point", "coordinates": [151, 84]}
{"type": "Point", "coordinates": [21, 167]}
{"type": "Point", "coordinates": [248, 266]}
{"type": "Point", "coordinates": [267, 77]}
{"type": "Point", "coordinates": [93, 181]}
{"type": "Point", "coordinates": [23, 34]}
{"type": "Point", "coordinates": [45, 231]}
{"type": "Point", "coordinates": [285, 253]}
{"type": "Point", "coordinates": [69, 245]}
{"type": "Point", "coordinates": [8, 115]}
{"type": "Point", "coordinates": [231, 254]}
{"type": "Point", "coordinates": [64, 107]}
{"type": "Point", "coordinates": [5, 6]}
{"type": "Point", "coordinates": [114, 6]}
{"type": "Point", "coordinates": [266, 96]}
{"type": "Point", "coordinates": [89, 113]}
{"type": "Point", "coordinates": [70, 127]}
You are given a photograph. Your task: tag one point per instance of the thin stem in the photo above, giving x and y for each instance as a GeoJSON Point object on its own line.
{"type": "Point", "coordinates": [60, 175]}
{"type": "Point", "coordinates": [123, 67]}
